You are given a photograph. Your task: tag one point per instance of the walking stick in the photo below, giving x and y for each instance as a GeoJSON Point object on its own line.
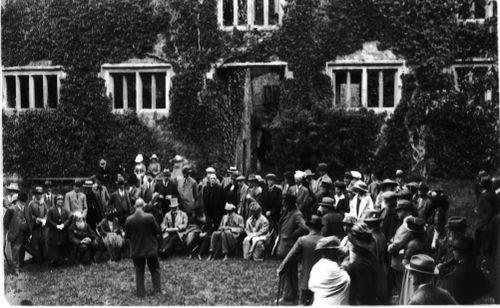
{"type": "Point", "coordinates": [279, 289]}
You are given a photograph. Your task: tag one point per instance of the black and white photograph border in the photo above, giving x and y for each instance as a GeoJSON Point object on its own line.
{"type": "Point", "coordinates": [250, 152]}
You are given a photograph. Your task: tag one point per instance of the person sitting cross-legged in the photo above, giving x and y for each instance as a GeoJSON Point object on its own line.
{"type": "Point", "coordinates": [82, 238]}
{"type": "Point", "coordinates": [257, 230]}
{"type": "Point", "coordinates": [226, 238]}
{"type": "Point", "coordinates": [174, 227]}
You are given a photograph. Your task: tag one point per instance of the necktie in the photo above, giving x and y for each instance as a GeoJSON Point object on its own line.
{"type": "Point", "coordinates": [357, 206]}
{"type": "Point", "coordinates": [173, 218]}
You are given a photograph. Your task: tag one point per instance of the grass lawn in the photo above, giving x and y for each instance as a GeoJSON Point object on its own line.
{"type": "Point", "coordinates": [184, 281]}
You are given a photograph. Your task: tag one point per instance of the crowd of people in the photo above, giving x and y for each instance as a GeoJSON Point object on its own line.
{"type": "Point", "coordinates": [359, 240]}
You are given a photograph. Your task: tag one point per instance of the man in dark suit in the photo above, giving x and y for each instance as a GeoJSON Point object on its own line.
{"type": "Point", "coordinates": [213, 201]}
{"type": "Point", "coordinates": [271, 200]}
{"type": "Point", "coordinates": [148, 187]}
{"type": "Point", "coordinates": [302, 193]}
{"type": "Point", "coordinates": [143, 231]}
{"type": "Point", "coordinates": [120, 201]}
{"type": "Point", "coordinates": [421, 269]}
{"type": "Point", "coordinates": [332, 220]}
{"type": "Point", "coordinates": [304, 250]}
{"type": "Point", "coordinates": [15, 222]}
{"type": "Point", "coordinates": [166, 187]}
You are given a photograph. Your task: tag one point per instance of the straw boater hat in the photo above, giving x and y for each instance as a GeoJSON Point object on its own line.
{"type": "Point", "coordinates": [399, 173]}
{"type": "Point", "coordinates": [271, 176]}
{"type": "Point", "coordinates": [13, 187]}
{"type": "Point", "coordinates": [229, 207]}
{"type": "Point", "coordinates": [88, 183]}
{"type": "Point", "coordinates": [421, 263]}
{"type": "Point", "coordinates": [360, 186]}
{"type": "Point", "coordinates": [356, 175]}
{"type": "Point", "coordinates": [232, 169]}
{"type": "Point", "coordinates": [388, 182]}
{"type": "Point", "coordinates": [457, 222]}
{"type": "Point", "coordinates": [308, 172]}
{"type": "Point", "coordinates": [327, 202]}
{"type": "Point", "coordinates": [329, 242]}
{"type": "Point", "coordinates": [299, 174]}
{"type": "Point", "coordinates": [177, 159]}
{"type": "Point", "coordinates": [139, 159]}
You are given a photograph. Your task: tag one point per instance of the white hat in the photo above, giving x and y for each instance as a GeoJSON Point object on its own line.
{"type": "Point", "coordinates": [356, 174]}
{"type": "Point", "coordinates": [139, 159]}
{"type": "Point", "coordinates": [210, 170]}
{"type": "Point", "coordinates": [299, 174]}
{"type": "Point", "coordinates": [13, 186]}
{"type": "Point", "coordinates": [229, 207]}
{"type": "Point", "coordinates": [174, 202]}
{"type": "Point", "coordinates": [177, 159]}
{"type": "Point", "coordinates": [154, 156]}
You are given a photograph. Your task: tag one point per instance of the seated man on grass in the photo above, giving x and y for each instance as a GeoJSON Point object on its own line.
{"type": "Point", "coordinates": [83, 239]}
{"type": "Point", "coordinates": [257, 230]}
{"type": "Point", "coordinates": [174, 228]}
{"type": "Point", "coordinates": [226, 238]}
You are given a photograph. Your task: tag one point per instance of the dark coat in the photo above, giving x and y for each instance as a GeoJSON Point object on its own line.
{"type": "Point", "coordinates": [142, 231]}
{"type": "Point", "coordinates": [122, 205]}
{"type": "Point", "coordinates": [415, 246]}
{"type": "Point", "coordinates": [76, 235]}
{"type": "Point", "coordinates": [170, 189]}
{"type": "Point", "coordinates": [485, 210]}
{"type": "Point", "coordinates": [214, 202]}
{"type": "Point", "coordinates": [56, 236]}
{"type": "Point", "coordinates": [15, 222]}
{"type": "Point", "coordinates": [291, 226]}
{"type": "Point", "coordinates": [231, 195]}
{"type": "Point", "coordinates": [332, 224]}
{"type": "Point", "coordinates": [466, 283]}
{"type": "Point", "coordinates": [368, 283]}
{"type": "Point", "coordinates": [95, 212]}
{"type": "Point", "coordinates": [429, 294]}
{"type": "Point", "coordinates": [343, 206]}
{"type": "Point", "coordinates": [271, 201]}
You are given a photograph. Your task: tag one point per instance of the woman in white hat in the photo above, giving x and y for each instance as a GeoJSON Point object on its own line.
{"type": "Point", "coordinates": [154, 165]}
{"type": "Point", "coordinates": [361, 201]}
{"type": "Point", "coordinates": [140, 168]}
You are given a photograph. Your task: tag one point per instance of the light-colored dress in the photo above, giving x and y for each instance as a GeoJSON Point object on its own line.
{"type": "Point", "coordinates": [329, 283]}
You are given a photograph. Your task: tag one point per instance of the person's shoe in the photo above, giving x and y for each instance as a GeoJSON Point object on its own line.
{"type": "Point", "coordinates": [190, 256]}
{"type": "Point", "coordinates": [210, 258]}
{"type": "Point", "coordinates": [199, 257]}
{"type": "Point", "coordinates": [225, 257]}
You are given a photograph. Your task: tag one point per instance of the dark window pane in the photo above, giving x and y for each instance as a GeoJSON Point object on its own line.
{"type": "Point", "coordinates": [389, 87]}
{"type": "Point", "coordinates": [242, 12]}
{"type": "Point", "coordinates": [38, 91]}
{"type": "Point", "coordinates": [118, 91]}
{"type": "Point", "coordinates": [340, 83]}
{"type": "Point", "coordinates": [11, 91]}
{"type": "Point", "coordinates": [227, 12]}
{"type": "Point", "coordinates": [25, 91]}
{"type": "Point", "coordinates": [271, 97]}
{"type": "Point", "coordinates": [160, 90]}
{"type": "Point", "coordinates": [259, 12]}
{"type": "Point", "coordinates": [464, 11]}
{"type": "Point", "coordinates": [373, 95]}
{"type": "Point", "coordinates": [273, 12]}
{"type": "Point", "coordinates": [146, 90]}
{"type": "Point", "coordinates": [479, 9]}
{"type": "Point", "coordinates": [131, 92]}
{"type": "Point", "coordinates": [52, 95]}
{"type": "Point", "coordinates": [462, 75]}
{"type": "Point", "coordinates": [355, 99]}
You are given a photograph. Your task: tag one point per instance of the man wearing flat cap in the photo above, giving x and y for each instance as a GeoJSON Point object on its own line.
{"type": "Point", "coordinates": [226, 237]}
{"type": "Point", "coordinates": [37, 211]}
{"type": "Point", "coordinates": [421, 268]}
{"type": "Point", "coordinates": [75, 200]}
{"type": "Point", "coordinates": [291, 227]}
{"type": "Point", "coordinates": [304, 251]}
{"type": "Point", "coordinates": [15, 222]}
{"type": "Point", "coordinates": [271, 200]}
{"type": "Point", "coordinates": [328, 281]}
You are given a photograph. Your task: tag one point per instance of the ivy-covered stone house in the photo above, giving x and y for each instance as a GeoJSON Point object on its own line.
{"type": "Point", "coordinates": [252, 83]}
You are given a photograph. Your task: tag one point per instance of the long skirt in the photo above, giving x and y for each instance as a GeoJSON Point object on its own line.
{"type": "Point", "coordinates": [407, 289]}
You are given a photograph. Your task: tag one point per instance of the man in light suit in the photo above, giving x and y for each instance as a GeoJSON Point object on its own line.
{"type": "Point", "coordinates": [75, 200]}
{"type": "Point", "coordinates": [361, 201]}
{"type": "Point", "coordinates": [174, 227]}
{"type": "Point", "coordinates": [302, 194]}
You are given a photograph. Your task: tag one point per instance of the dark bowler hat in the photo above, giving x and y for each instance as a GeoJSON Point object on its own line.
{"type": "Point", "coordinates": [361, 236]}
{"type": "Point", "coordinates": [314, 221]}
{"type": "Point", "coordinates": [327, 202]}
{"type": "Point", "coordinates": [340, 184]}
{"type": "Point", "coordinates": [271, 176]}
{"type": "Point", "coordinates": [373, 216]}
{"type": "Point", "coordinates": [421, 263]}
{"type": "Point", "coordinates": [415, 224]}
{"type": "Point", "coordinates": [322, 167]}
{"type": "Point", "coordinates": [457, 222]}
{"type": "Point", "coordinates": [404, 204]}
{"type": "Point", "coordinates": [326, 183]}
{"type": "Point", "coordinates": [78, 183]}
{"type": "Point", "coordinates": [388, 182]}
{"type": "Point", "coordinates": [186, 170]}
{"type": "Point", "coordinates": [465, 244]}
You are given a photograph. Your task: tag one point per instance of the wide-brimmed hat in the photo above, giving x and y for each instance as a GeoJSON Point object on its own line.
{"type": "Point", "coordinates": [174, 202]}
{"type": "Point", "coordinates": [186, 170]}
{"type": "Point", "coordinates": [464, 243]}
{"type": "Point", "coordinates": [229, 207]}
{"type": "Point", "coordinates": [314, 221]}
{"type": "Point", "coordinates": [88, 183]}
{"type": "Point", "coordinates": [457, 222]}
{"type": "Point", "coordinates": [361, 236]}
{"type": "Point", "coordinates": [13, 187]}
{"type": "Point", "coordinates": [271, 176]}
{"type": "Point", "coordinates": [240, 178]}
{"type": "Point", "coordinates": [373, 216]}
{"type": "Point", "coordinates": [299, 174]}
{"type": "Point", "coordinates": [421, 263]}
{"type": "Point", "coordinates": [177, 159]}
{"type": "Point", "coordinates": [356, 175]}
{"type": "Point", "coordinates": [340, 184]}
{"type": "Point", "coordinates": [360, 186]}
{"type": "Point", "coordinates": [252, 178]}
{"type": "Point", "coordinates": [308, 172]}
{"type": "Point", "coordinates": [139, 158]}
{"type": "Point", "coordinates": [153, 157]}
{"type": "Point", "coordinates": [210, 170]}
{"type": "Point", "coordinates": [388, 182]}
{"type": "Point", "coordinates": [327, 202]}
{"type": "Point", "coordinates": [415, 224]}
{"type": "Point", "coordinates": [329, 242]}
{"type": "Point", "coordinates": [322, 167]}
{"type": "Point", "coordinates": [404, 204]}
{"type": "Point", "coordinates": [349, 220]}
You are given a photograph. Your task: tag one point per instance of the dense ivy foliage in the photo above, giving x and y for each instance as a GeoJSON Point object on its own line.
{"type": "Point", "coordinates": [205, 117]}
